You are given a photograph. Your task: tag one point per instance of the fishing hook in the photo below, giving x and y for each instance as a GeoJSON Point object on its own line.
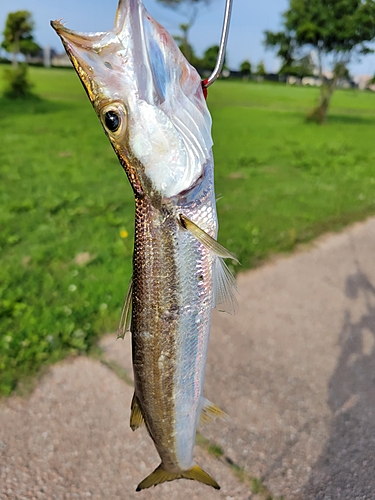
{"type": "Point", "coordinates": [223, 44]}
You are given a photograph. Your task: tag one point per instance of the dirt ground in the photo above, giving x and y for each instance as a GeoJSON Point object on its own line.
{"type": "Point", "coordinates": [294, 369]}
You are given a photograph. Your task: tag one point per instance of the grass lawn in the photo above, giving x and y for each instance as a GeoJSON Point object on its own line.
{"type": "Point", "coordinates": [66, 206]}
{"type": "Point", "coordinates": [284, 180]}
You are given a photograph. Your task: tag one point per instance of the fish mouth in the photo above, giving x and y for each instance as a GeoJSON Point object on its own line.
{"type": "Point", "coordinates": [126, 11]}
{"type": "Point", "coordinates": [82, 50]}
{"type": "Point", "coordinates": [85, 40]}
{"type": "Point", "coordinates": [93, 54]}
{"type": "Point", "coordinates": [135, 49]}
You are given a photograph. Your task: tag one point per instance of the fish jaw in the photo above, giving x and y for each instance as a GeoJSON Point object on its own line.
{"type": "Point", "coordinates": [137, 67]}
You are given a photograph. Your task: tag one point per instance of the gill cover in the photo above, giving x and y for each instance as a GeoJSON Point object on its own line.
{"type": "Point", "coordinates": [138, 68]}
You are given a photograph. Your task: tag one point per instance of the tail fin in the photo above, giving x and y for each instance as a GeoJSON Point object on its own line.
{"type": "Point", "coordinates": [161, 475]}
{"type": "Point", "coordinates": [200, 475]}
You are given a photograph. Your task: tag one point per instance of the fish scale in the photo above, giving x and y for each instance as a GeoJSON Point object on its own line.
{"type": "Point", "coordinates": [154, 294]}
{"type": "Point", "coordinates": [177, 312]}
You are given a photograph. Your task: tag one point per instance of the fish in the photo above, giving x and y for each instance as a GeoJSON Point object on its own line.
{"type": "Point", "coordinates": [152, 107]}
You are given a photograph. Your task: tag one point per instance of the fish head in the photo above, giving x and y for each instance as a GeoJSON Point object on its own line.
{"type": "Point", "coordinates": [148, 98]}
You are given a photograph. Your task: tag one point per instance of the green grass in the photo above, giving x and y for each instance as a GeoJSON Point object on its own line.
{"type": "Point", "coordinates": [63, 194]}
{"type": "Point", "coordinates": [283, 180]}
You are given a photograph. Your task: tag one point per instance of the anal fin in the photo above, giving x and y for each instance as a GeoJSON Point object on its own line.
{"type": "Point", "coordinates": [211, 412]}
{"type": "Point", "coordinates": [136, 417]}
{"type": "Point", "coordinates": [160, 475]}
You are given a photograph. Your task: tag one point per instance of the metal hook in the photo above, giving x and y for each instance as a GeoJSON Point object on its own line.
{"type": "Point", "coordinates": [223, 44]}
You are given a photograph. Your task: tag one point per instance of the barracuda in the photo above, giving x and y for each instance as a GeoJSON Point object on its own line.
{"type": "Point", "coordinates": [152, 108]}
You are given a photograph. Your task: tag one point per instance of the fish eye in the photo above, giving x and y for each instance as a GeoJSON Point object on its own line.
{"type": "Point", "coordinates": [114, 118]}
{"type": "Point", "coordinates": [112, 121]}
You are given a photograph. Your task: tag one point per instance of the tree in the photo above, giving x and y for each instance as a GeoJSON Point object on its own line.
{"type": "Point", "coordinates": [337, 30]}
{"type": "Point", "coordinates": [18, 39]}
{"type": "Point", "coordinates": [17, 85]}
{"type": "Point", "coordinates": [189, 8]}
{"type": "Point", "coordinates": [30, 48]}
{"type": "Point", "coordinates": [187, 49]}
{"type": "Point", "coordinates": [18, 34]}
{"type": "Point", "coordinates": [299, 67]}
{"type": "Point", "coordinates": [342, 70]}
{"type": "Point", "coordinates": [245, 69]}
{"type": "Point", "coordinates": [184, 44]}
{"type": "Point", "coordinates": [210, 56]}
{"type": "Point", "coordinates": [189, 4]}
{"type": "Point", "coordinates": [261, 70]}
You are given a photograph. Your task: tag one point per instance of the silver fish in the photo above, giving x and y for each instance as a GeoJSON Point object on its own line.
{"type": "Point", "coordinates": [152, 108]}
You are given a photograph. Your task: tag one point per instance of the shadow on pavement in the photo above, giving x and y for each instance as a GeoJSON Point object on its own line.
{"type": "Point", "coordinates": [345, 469]}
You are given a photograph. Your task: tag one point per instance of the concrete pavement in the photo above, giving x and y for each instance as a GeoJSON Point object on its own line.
{"type": "Point", "coordinates": [294, 369]}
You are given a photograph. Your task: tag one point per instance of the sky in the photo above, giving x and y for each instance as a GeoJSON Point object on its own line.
{"type": "Point", "coordinates": [249, 20]}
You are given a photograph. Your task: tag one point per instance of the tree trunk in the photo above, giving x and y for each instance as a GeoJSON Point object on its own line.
{"type": "Point", "coordinates": [16, 50]}
{"type": "Point", "coordinates": [186, 46]}
{"type": "Point", "coordinates": [185, 40]}
{"type": "Point", "coordinates": [326, 91]}
{"type": "Point", "coordinates": [319, 113]}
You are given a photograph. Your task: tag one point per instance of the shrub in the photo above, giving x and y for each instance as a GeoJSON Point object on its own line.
{"type": "Point", "coordinates": [18, 84]}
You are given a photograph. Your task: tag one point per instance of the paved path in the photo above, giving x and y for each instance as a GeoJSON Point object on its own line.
{"type": "Point", "coordinates": [295, 370]}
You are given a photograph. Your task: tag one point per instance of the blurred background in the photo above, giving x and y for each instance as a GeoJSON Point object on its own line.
{"type": "Point", "coordinates": [293, 126]}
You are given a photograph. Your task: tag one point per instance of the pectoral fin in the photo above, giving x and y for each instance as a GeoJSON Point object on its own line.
{"type": "Point", "coordinates": [206, 239]}
{"type": "Point", "coordinates": [161, 475]}
{"type": "Point", "coordinates": [136, 417]}
{"type": "Point", "coordinates": [126, 313]}
{"type": "Point", "coordinates": [224, 281]}
{"type": "Point", "coordinates": [224, 287]}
